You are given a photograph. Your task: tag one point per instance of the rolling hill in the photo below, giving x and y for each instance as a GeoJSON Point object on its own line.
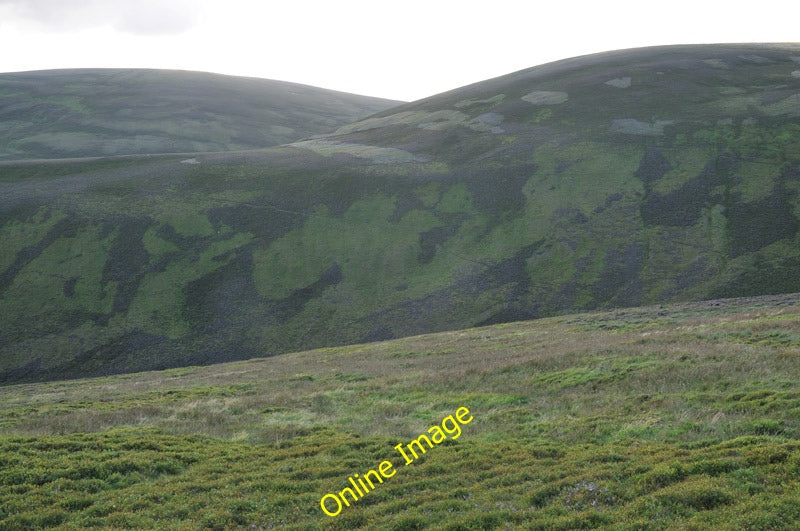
{"type": "Point", "coordinates": [104, 112]}
{"type": "Point", "coordinates": [618, 179]}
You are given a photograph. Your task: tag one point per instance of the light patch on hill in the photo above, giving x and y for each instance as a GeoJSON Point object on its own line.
{"type": "Point", "coordinates": [430, 121]}
{"type": "Point", "coordinates": [757, 59]}
{"type": "Point", "coordinates": [717, 63]}
{"type": "Point", "coordinates": [494, 100]}
{"type": "Point", "coordinates": [620, 82]}
{"type": "Point", "coordinates": [426, 120]}
{"type": "Point", "coordinates": [488, 123]}
{"type": "Point", "coordinates": [789, 106]}
{"type": "Point", "coordinates": [380, 155]}
{"type": "Point", "coordinates": [631, 126]}
{"type": "Point", "coordinates": [546, 97]}
{"type": "Point", "coordinates": [440, 120]}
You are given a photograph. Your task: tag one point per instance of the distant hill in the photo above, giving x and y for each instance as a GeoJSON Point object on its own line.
{"type": "Point", "coordinates": [81, 113]}
{"type": "Point", "coordinates": [618, 179]}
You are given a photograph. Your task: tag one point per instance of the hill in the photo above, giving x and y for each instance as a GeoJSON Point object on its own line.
{"type": "Point", "coordinates": [618, 179]}
{"type": "Point", "coordinates": [103, 112]}
{"type": "Point", "coordinates": [685, 416]}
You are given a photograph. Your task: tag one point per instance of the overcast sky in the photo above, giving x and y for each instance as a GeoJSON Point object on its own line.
{"type": "Point", "coordinates": [403, 50]}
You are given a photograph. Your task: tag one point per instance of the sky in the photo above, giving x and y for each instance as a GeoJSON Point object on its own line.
{"type": "Point", "coordinates": [403, 50]}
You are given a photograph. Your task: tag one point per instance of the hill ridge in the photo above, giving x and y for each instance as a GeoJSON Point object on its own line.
{"type": "Point", "coordinates": [639, 177]}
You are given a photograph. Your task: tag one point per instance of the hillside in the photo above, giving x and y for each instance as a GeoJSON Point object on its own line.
{"type": "Point", "coordinates": [685, 416]}
{"type": "Point", "coordinates": [618, 179]}
{"type": "Point", "coordinates": [103, 112]}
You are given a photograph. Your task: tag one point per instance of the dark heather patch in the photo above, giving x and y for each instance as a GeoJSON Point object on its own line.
{"type": "Point", "coordinates": [763, 278]}
{"type": "Point", "coordinates": [215, 301]}
{"type": "Point", "coordinates": [430, 239]}
{"type": "Point", "coordinates": [454, 306]}
{"type": "Point", "coordinates": [76, 318]}
{"type": "Point", "coordinates": [27, 372]}
{"type": "Point", "coordinates": [683, 207]}
{"type": "Point", "coordinates": [698, 271]}
{"type": "Point", "coordinates": [652, 167]}
{"type": "Point", "coordinates": [498, 191]}
{"type": "Point", "coordinates": [512, 277]}
{"type": "Point", "coordinates": [184, 243]}
{"type": "Point", "coordinates": [579, 218]}
{"type": "Point", "coordinates": [160, 266]}
{"type": "Point", "coordinates": [69, 287]}
{"type": "Point", "coordinates": [66, 228]}
{"type": "Point", "coordinates": [752, 226]}
{"type": "Point", "coordinates": [563, 166]}
{"type": "Point", "coordinates": [610, 200]}
{"type": "Point", "coordinates": [382, 333]}
{"type": "Point", "coordinates": [619, 281]}
{"type": "Point", "coordinates": [23, 211]}
{"type": "Point", "coordinates": [211, 349]}
{"type": "Point", "coordinates": [127, 259]}
{"type": "Point", "coordinates": [509, 314]}
{"type": "Point", "coordinates": [116, 356]}
{"type": "Point", "coordinates": [266, 221]}
{"type": "Point", "coordinates": [565, 296]}
{"type": "Point", "coordinates": [407, 201]}
{"type": "Point", "coordinates": [772, 96]}
{"type": "Point", "coordinates": [286, 308]}
{"type": "Point", "coordinates": [339, 191]}
{"type": "Point", "coordinates": [22, 327]}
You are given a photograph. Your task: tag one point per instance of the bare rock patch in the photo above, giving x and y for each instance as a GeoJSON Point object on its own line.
{"type": "Point", "coordinates": [717, 63]}
{"type": "Point", "coordinates": [620, 82]}
{"type": "Point", "coordinates": [757, 59]}
{"type": "Point", "coordinates": [546, 97]}
{"type": "Point", "coordinates": [494, 100]}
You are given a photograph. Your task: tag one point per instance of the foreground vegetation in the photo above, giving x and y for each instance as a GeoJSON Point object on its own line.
{"type": "Point", "coordinates": [651, 418]}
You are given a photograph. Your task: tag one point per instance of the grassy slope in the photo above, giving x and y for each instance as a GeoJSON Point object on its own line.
{"type": "Point", "coordinates": [620, 179]}
{"type": "Point", "coordinates": [101, 112]}
{"type": "Point", "coordinates": [682, 416]}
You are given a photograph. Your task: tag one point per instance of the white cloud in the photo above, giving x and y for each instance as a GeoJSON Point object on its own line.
{"type": "Point", "coordinates": [158, 17]}
{"type": "Point", "coordinates": [138, 17]}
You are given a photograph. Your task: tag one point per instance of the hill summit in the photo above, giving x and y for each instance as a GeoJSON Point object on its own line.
{"type": "Point", "coordinates": [617, 179]}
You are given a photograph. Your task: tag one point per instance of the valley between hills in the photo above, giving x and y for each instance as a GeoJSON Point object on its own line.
{"type": "Point", "coordinates": [221, 298]}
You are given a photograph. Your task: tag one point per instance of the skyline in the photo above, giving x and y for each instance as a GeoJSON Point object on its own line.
{"type": "Point", "coordinates": [402, 51]}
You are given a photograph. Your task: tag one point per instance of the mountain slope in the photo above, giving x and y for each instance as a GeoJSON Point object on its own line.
{"type": "Point", "coordinates": [81, 113]}
{"type": "Point", "coordinates": [617, 179]}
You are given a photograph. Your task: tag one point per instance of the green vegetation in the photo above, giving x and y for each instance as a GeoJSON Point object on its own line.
{"type": "Point", "coordinates": [470, 208]}
{"type": "Point", "coordinates": [682, 416]}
